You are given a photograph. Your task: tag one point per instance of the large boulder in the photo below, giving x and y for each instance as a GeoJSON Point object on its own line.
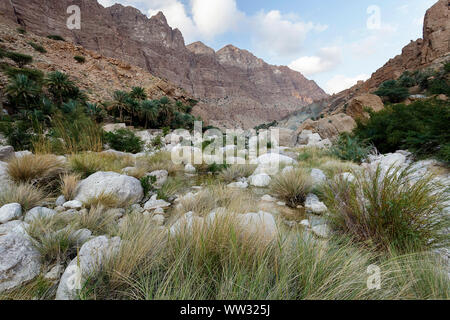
{"type": "Point", "coordinates": [4, 176]}
{"type": "Point", "coordinates": [6, 152]}
{"type": "Point", "coordinates": [15, 226]}
{"type": "Point", "coordinates": [261, 224]}
{"type": "Point", "coordinates": [90, 260]}
{"type": "Point", "coordinates": [356, 108]}
{"type": "Point", "coordinates": [111, 127]}
{"type": "Point", "coordinates": [271, 163]}
{"type": "Point", "coordinates": [260, 180]}
{"type": "Point", "coordinates": [10, 212]}
{"type": "Point", "coordinates": [19, 261]}
{"type": "Point", "coordinates": [328, 127]}
{"type": "Point", "coordinates": [39, 213]}
{"type": "Point", "coordinates": [126, 189]}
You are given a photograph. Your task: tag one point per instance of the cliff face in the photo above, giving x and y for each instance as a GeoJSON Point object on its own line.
{"type": "Point", "coordinates": [434, 45]}
{"type": "Point", "coordinates": [239, 89]}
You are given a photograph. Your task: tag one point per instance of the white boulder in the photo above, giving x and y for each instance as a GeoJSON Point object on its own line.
{"type": "Point", "coordinates": [261, 224]}
{"type": "Point", "coordinates": [19, 261]}
{"type": "Point", "coordinates": [15, 226]}
{"type": "Point", "coordinates": [313, 205]}
{"type": "Point", "coordinates": [154, 203]}
{"type": "Point", "coordinates": [10, 212]}
{"type": "Point", "coordinates": [161, 177]}
{"type": "Point", "coordinates": [91, 257]}
{"type": "Point", "coordinates": [126, 189]}
{"type": "Point", "coordinates": [318, 176]}
{"type": "Point", "coordinates": [74, 204]}
{"type": "Point", "coordinates": [39, 213]}
{"type": "Point", "coordinates": [260, 180]}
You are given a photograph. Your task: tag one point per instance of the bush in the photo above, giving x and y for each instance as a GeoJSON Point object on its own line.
{"type": "Point", "coordinates": [147, 184]}
{"type": "Point", "coordinates": [350, 148]}
{"type": "Point", "coordinates": [389, 209]}
{"type": "Point", "coordinates": [80, 59]}
{"type": "Point", "coordinates": [69, 183]}
{"type": "Point", "coordinates": [292, 186]}
{"type": "Point", "coordinates": [21, 30]}
{"type": "Point", "coordinates": [20, 58]}
{"type": "Point", "coordinates": [124, 140]}
{"type": "Point", "coordinates": [421, 127]}
{"type": "Point", "coordinates": [392, 91]}
{"type": "Point", "coordinates": [37, 47]}
{"type": "Point", "coordinates": [439, 86]}
{"type": "Point", "coordinates": [17, 134]}
{"type": "Point", "coordinates": [56, 37]}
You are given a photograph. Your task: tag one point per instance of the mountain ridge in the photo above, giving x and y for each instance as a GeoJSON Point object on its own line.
{"type": "Point", "coordinates": [239, 89]}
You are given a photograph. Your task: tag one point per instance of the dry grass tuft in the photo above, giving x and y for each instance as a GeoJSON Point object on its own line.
{"type": "Point", "coordinates": [292, 186]}
{"type": "Point", "coordinates": [234, 172]}
{"type": "Point", "coordinates": [37, 169]}
{"type": "Point", "coordinates": [69, 183]}
{"type": "Point", "coordinates": [89, 163]}
{"type": "Point", "coordinates": [106, 200]}
{"type": "Point", "coordinates": [27, 195]}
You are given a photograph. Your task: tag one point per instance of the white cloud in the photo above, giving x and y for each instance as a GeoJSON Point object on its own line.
{"type": "Point", "coordinates": [341, 82]}
{"type": "Point", "coordinates": [281, 35]}
{"type": "Point", "coordinates": [326, 59]}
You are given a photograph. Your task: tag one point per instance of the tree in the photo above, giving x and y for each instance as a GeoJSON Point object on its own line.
{"type": "Point", "coordinates": [119, 102]}
{"type": "Point", "coordinates": [59, 86]}
{"type": "Point", "coordinates": [22, 91]}
{"type": "Point", "coordinates": [138, 93]}
{"type": "Point", "coordinates": [149, 111]}
{"type": "Point", "coordinates": [393, 91]}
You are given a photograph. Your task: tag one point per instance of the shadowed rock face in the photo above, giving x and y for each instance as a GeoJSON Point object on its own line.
{"type": "Point", "coordinates": [239, 88]}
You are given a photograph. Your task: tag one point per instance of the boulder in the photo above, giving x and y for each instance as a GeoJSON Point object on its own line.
{"type": "Point", "coordinates": [111, 127]}
{"type": "Point", "coordinates": [186, 224]}
{"type": "Point", "coordinates": [19, 261]}
{"type": "Point", "coordinates": [39, 213]}
{"type": "Point", "coordinates": [261, 224]}
{"type": "Point", "coordinates": [6, 152]}
{"type": "Point", "coordinates": [161, 177]}
{"type": "Point", "coordinates": [322, 231]}
{"type": "Point", "coordinates": [356, 107]}
{"type": "Point", "coordinates": [154, 203]}
{"type": "Point", "coordinates": [15, 226]}
{"type": "Point", "coordinates": [90, 259]}
{"type": "Point", "coordinates": [60, 201]}
{"type": "Point", "coordinates": [74, 204]}
{"type": "Point", "coordinates": [328, 128]}
{"type": "Point", "coordinates": [260, 180]}
{"type": "Point", "coordinates": [10, 212]}
{"type": "Point", "coordinates": [313, 205]}
{"type": "Point", "coordinates": [270, 163]}
{"type": "Point", "coordinates": [189, 168]}
{"type": "Point", "coordinates": [4, 176]}
{"type": "Point", "coordinates": [318, 177]}
{"type": "Point", "coordinates": [238, 185]}
{"type": "Point", "coordinates": [126, 189]}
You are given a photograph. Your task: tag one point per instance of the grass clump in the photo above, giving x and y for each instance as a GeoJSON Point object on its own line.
{"type": "Point", "coordinates": [69, 183]}
{"type": "Point", "coordinates": [98, 220]}
{"type": "Point", "coordinates": [80, 59]}
{"type": "Point", "coordinates": [40, 169]}
{"type": "Point", "coordinates": [89, 163]}
{"type": "Point", "coordinates": [234, 172]}
{"type": "Point", "coordinates": [27, 195]}
{"type": "Point", "coordinates": [388, 209]}
{"type": "Point", "coordinates": [56, 37]}
{"type": "Point", "coordinates": [19, 58]}
{"type": "Point", "coordinates": [37, 47]}
{"type": "Point", "coordinates": [292, 186]}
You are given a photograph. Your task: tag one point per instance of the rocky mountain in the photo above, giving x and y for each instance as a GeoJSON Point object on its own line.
{"type": "Point", "coordinates": [337, 112]}
{"type": "Point", "coordinates": [239, 89]}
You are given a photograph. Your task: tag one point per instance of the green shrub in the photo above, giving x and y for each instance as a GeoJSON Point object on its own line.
{"type": "Point", "coordinates": [124, 140]}
{"type": "Point", "coordinates": [292, 186]}
{"type": "Point", "coordinates": [32, 74]}
{"type": "Point", "coordinates": [37, 47]}
{"type": "Point", "coordinates": [21, 30]}
{"type": "Point", "coordinates": [350, 148]}
{"type": "Point", "coordinates": [20, 58]}
{"type": "Point", "coordinates": [17, 134]}
{"type": "Point", "coordinates": [80, 59]}
{"type": "Point", "coordinates": [56, 37]}
{"type": "Point", "coordinates": [439, 86]}
{"type": "Point", "coordinates": [393, 91]}
{"type": "Point", "coordinates": [447, 67]}
{"type": "Point", "coordinates": [421, 127]}
{"type": "Point", "coordinates": [389, 209]}
{"type": "Point", "coordinates": [147, 184]}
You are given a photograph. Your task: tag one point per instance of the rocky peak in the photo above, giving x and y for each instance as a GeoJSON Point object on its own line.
{"type": "Point", "coordinates": [231, 55]}
{"type": "Point", "coordinates": [200, 48]}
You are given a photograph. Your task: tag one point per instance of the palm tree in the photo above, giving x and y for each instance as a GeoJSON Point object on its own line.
{"type": "Point", "coordinates": [59, 85]}
{"type": "Point", "coordinates": [149, 111]}
{"type": "Point", "coordinates": [120, 102]}
{"type": "Point", "coordinates": [138, 93]}
{"type": "Point", "coordinates": [22, 91]}
{"type": "Point", "coordinates": [166, 111]}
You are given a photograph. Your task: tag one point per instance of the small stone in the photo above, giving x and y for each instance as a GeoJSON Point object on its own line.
{"type": "Point", "coordinates": [74, 204]}
{"type": "Point", "coordinates": [54, 273]}
{"type": "Point", "coordinates": [60, 209]}
{"type": "Point", "coordinates": [238, 185]}
{"type": "Point", "coordinates": [153, 203]}
{"type": "Point", "coordinates": [158, 219]}
{"type": "Point", "coordinates": [159, 211]}
{"type": "Point", "coordinates": [322, 231]}
{"type": "Point", "coordinates": [260, 180]}
{"type": "Point", "coordinates": [318, 176]}
{"type": "Point", "coordinates": [281, 203]}
{"type": "Point", "coordinates": [305, 223]}
{"type": "Point", "coordinates": [189, 168]}
{"type": "Point", "coordinates": [268, 198]}
{"type": "Point", "coordinates": [6, 152]}
{"type": "Point", "coordinates": [60, 201]}
{"type": "Point", "coordinates": [10, 212]}
{"type": "Point", "coordinates": [313, 205]}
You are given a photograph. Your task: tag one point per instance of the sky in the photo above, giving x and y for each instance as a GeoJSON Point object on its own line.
{"type": "Point", "coordinates": [334, 42]}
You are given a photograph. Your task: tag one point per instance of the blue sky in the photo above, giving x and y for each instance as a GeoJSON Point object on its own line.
{"type": "Point", "coordinates": [334, 42]}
